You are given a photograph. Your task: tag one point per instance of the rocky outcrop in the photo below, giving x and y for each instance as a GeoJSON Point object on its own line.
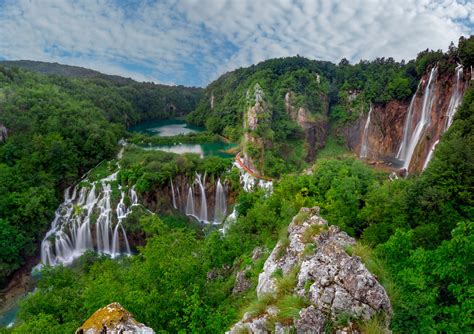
{"type": "Point", "coordinates": [328, 283]}
{"type": "Point", "coordinates": [113, 319]}
{"type": "Point", "coordinates": [315, 127]}
{"type": "Point", "coordinates": [256, 119]}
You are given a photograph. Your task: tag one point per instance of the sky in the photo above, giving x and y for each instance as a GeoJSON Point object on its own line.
{"type": "Point", "coordinates": [192, 42]}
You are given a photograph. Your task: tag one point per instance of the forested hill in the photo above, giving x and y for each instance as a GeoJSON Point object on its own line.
{"type": "Point", "coordinates": [123, 99]}
{"type": "Point", "coordinates": [61, 69]}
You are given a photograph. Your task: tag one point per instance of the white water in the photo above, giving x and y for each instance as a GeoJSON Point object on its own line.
{"type": "Point", "coordinates": [423, 122]}
{"type": "Point", "coordinates": [249, 182]}
{"type": "Point", "coordinates": [220, 206]}
{"type": "Point", "coordinates": [365, 137]}
{"type": "Point", "coordinates": [173, 195]}
{"type": "Point", "coordinates": [456, 98]}
{"type": "Point", "coordinates": [84, 213]}
{"type": "Point", "coordinates": [430, 154]}
{"type": "Point", "coordinates": [406, 130]}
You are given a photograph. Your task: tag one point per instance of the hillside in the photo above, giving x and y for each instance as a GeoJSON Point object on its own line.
{"type": "Point", "coordinates": [301, 102]}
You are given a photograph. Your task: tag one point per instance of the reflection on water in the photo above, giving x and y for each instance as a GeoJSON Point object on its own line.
{"type": "Point", "coordinates": [171, 130]}
{"type": "Point", "coordinates": [179, 148]}
{"type": "Point", "coordinates": [173, 127]}
{"type": "Point", "coordinates": [165, 128]}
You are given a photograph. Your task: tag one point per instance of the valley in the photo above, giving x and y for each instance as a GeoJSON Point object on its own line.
{"type": "Point", "coordinates": [290, 195]}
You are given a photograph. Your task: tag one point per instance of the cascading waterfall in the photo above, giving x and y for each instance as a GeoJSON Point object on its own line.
{"type": "Point", "coordinates": [220, 206]}
{"type": "Point", "coordinates": [84, 213]}
{"type": "Point", "coordinates": [203, 209]}
{"type": "Point", "coordinates": [456, 97]}
{"type": "Point", "coordinates": [406, 130]}
{"type": "Point", "coordinates": [365, 137]}
{"type": "Point", "coordinates": [424, 121]}
{"type": "Point", "coordinates": [173, 195]}
{"type": "Point", "coordinates": [190, 211]}
{"type": "Point", "coordinates": [430, 154]}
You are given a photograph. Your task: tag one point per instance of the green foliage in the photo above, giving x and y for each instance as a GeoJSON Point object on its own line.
{"type": "Point", "coordinates": [466, 51]}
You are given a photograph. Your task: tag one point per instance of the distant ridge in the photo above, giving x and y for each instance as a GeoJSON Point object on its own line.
{"type": "Point", "coordinates": [64, 70]}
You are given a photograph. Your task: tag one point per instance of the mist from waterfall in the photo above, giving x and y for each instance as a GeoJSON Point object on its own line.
{"type": "Point", "coordinates": [85, 213]}
{"type": "Point", "coordinates": [365, 136]}
{"type": "Point", "coordinates": [423, 122]}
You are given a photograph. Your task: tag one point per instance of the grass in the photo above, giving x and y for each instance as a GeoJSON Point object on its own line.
{"type": "Point", "coordinates": [311, 231]}
{"type": "Point", "coordinates": [374, 325]}
{"type": "Point", "coordinates": [287, 283]}
{"type": "Point", "coordinates": [309, 249]}
{"type": "Point", "coordinates": [284, 243]}
{"type": "Point", "coordinates": [289, 308]}
{"type": "Point", "coordinates": [260, 305]}
{"type": "Point", "coordinates": [377, 267]}
{"type": "Point", "coordinates": [301, 217]}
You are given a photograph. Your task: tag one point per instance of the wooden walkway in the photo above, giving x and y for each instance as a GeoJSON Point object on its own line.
{"type": "Point", "coordinates": [248, 170]}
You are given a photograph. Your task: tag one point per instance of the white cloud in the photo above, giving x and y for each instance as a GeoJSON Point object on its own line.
{"type": "Point", "coordinates": [193, 41]}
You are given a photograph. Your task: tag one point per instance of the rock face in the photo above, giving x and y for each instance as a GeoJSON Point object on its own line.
{"type": "Point", "coordinates": [330, 283]}
{"type": "Point", "coordinates": [113, 319]}
{"type": "Point", "coordinates": [315, 128]}
{"type": "Point", "coordinates": [256, 117]}
{"type": "Point", "coordinates": [387, 124]}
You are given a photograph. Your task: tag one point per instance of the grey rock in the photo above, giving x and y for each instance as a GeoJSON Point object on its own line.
{"type": "Point", "coordinates": [242, 283]}
{"type": "Point", "coordinates": [333, 282]}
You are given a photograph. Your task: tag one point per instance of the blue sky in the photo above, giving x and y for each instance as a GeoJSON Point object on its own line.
{"type": "Point", "coordinates": [192, 42]}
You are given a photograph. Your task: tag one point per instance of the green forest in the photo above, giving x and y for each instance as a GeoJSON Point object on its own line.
{"type": "Point", "coordinates": [415, 234]}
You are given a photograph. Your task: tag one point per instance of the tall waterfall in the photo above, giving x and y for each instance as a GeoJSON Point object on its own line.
{"type": "Point", "coordinates": [365, 137]}
{"type": "Point", "coordinates": [220, 206]}
{"type": "Point", "coordinates": [456, 97]}
{"type": "Point", "coordinates": [86, 212]}
{"type": "Point", "coordinates": [173, 195]}
{"type": "Point", "coordinates": [407, 128]}
{"type": "Point", "coordinates": [430, 154]}
{"type": "Point", "coordinates": [196, 200]}
{"type": "Point", "coordinates": [203, 209]}
{"type": "Point", "coordinates": [424, 120]}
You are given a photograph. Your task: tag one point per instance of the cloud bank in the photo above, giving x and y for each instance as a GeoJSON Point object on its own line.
{"type": "Point", "coordinates": [192, 42]}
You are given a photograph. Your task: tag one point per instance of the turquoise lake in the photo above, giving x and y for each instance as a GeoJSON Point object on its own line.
{"type": "Point", "coordinates": [173, 127]}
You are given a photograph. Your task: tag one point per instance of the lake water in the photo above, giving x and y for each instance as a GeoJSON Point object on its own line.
{"type": "Point", "coordinates": [173, 127]}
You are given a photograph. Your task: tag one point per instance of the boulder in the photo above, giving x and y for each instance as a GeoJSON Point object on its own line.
{"type": "Point", "coordinates": [113, 318]}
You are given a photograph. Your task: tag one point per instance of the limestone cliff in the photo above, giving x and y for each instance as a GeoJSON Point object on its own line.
{"type": "Point", "coordinates": [310, 284]}
{"type": "Point", "coordinates": [315, 127]}
{"type": "Point", "coordinates": [113, 318]}
{"type": "Point", "coordinates": [437, 99]}
{"type": "Point", "coordinates": [257, 118]}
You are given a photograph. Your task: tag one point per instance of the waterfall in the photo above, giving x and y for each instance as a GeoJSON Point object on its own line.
{"type": "Point", "coordinates": [190, 203]}
{"type": "Point", "coordinates": [430, 154]}
{"type": "Point", "coordinates": [456, 97]}
{"type": "Point", "coordinates": [86, 211]}
{"type": "Point", "coordinates": [203, 209]}
{"type": "Point", "coordinates": [172, 194]}
{"type": "Point", "coordinates": [406, 130]}
{"type": "Point", "coordinates": [365, 137]}
{"type": "Point", "coordinates": [220, 206]}
{"type": "Point", "coordinates": [424, 121]}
